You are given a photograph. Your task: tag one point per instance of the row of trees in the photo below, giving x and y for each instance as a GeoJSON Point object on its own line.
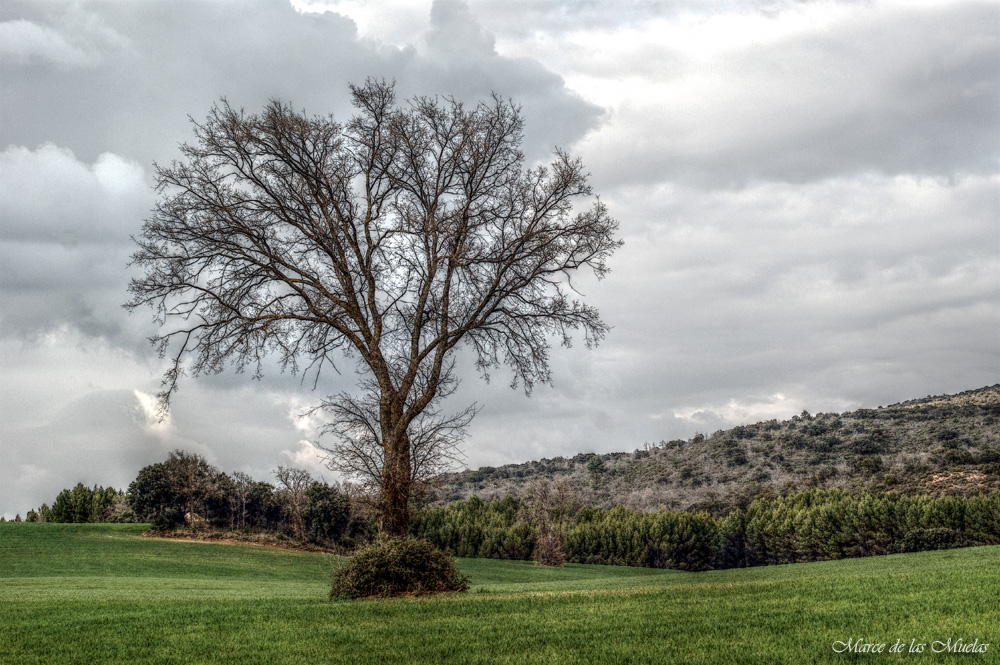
{"type": "Point", "coordinates": [85, 504]}
{"type": "Point", "coordinates": [834, 524]}
{"type": "Point", "coordinates": [185, 490]}
{"type": "Point", "coordinates": [810, 526]}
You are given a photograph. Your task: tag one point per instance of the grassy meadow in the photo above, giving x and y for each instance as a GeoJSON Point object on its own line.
{"type": "Point", "coordinates": [99, 593]}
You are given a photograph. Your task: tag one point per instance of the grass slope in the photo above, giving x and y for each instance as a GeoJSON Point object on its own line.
{"type": "Point", "coordinates": [103, 594]}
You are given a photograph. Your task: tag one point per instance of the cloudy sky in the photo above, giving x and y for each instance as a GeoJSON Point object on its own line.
{"type": "Point", "coordinates": [809, 195]}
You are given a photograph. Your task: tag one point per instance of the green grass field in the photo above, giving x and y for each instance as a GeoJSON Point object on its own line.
{"type": "Point", "coordinates": [103, 594]}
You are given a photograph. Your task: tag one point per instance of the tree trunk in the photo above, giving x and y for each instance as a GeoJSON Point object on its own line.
{"type": "Point", "coordinates": [394, 520]}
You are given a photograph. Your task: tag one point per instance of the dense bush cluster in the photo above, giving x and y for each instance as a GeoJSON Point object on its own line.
{"type": "Point", "coordinates": [187, 491]}
{"type": "Point", "coordinates": [809, 526]}
{"type": "Point", "coordinates": [507, 529]}
{"type": "Point", "coordinates": [397, 567]}
{"type": "Point", "coordinates": [499, 529]}
{"type": "Point", "coordinates": [665, 539]}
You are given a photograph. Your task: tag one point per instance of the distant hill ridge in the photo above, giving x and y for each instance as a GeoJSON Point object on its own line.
{"type": "Point", "coordinates": [935, 445]}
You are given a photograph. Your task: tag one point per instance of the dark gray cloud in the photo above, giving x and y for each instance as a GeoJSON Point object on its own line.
{"type": "Point", "coordinates": [840, 292]}
{"type": "Point", "coordinates": [94, 93]}
{"type": "Point", "coordinates": [50, 196]}
{"type": "Point", "coordinates": [899, 91]}
{"type": "Point", "coordinates": [124, 77]}
{"type": "Point", "coordinates": [462, 60]}
{"type": "Point", "coordinates": [151, 65]}
{"type": "Point", "coordinates": [64, 243]}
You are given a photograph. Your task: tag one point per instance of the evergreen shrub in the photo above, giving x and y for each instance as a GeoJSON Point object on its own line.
{"type": "Point", "coordinates": [922, 540]}
{"type": "Point", "coordinates": [397, 567]}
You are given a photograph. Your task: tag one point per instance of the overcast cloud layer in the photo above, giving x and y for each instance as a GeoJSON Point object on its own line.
{"type": "Point", "coordinates": [809, 194]}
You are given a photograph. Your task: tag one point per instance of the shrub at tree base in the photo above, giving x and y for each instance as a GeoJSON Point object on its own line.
{"type": "Point", "coordinates": [397, 567]}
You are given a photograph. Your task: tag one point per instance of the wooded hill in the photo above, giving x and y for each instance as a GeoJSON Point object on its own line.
{"type": "Point", "coordinates": [938, 446]}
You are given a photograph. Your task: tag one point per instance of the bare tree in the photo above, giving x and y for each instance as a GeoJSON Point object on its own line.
{"type": "Point", "coordinates": [292, 486]}
{"type": "Point", "coordinates": [239, 498]}
{"type": "Point", "coordinates": [390, 240]}
{"type": "Point", "coordinates": [548, 512]}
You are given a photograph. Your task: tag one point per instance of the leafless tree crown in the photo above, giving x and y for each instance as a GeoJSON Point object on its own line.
{"type": "Point", "coordinates": [390, 239]}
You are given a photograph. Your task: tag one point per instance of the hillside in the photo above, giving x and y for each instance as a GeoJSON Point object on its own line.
{"type": "Point", "coordinates": [943, 445]}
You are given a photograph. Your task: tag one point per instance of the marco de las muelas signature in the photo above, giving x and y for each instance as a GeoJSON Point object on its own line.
{"type": "Point", "coordinates": [949, 645]}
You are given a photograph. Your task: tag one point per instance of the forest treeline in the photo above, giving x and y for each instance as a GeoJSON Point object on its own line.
{"type": "Point", "coordinates": [186, 492]}
{"type": "Point", "coordinates": [809, 526]}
